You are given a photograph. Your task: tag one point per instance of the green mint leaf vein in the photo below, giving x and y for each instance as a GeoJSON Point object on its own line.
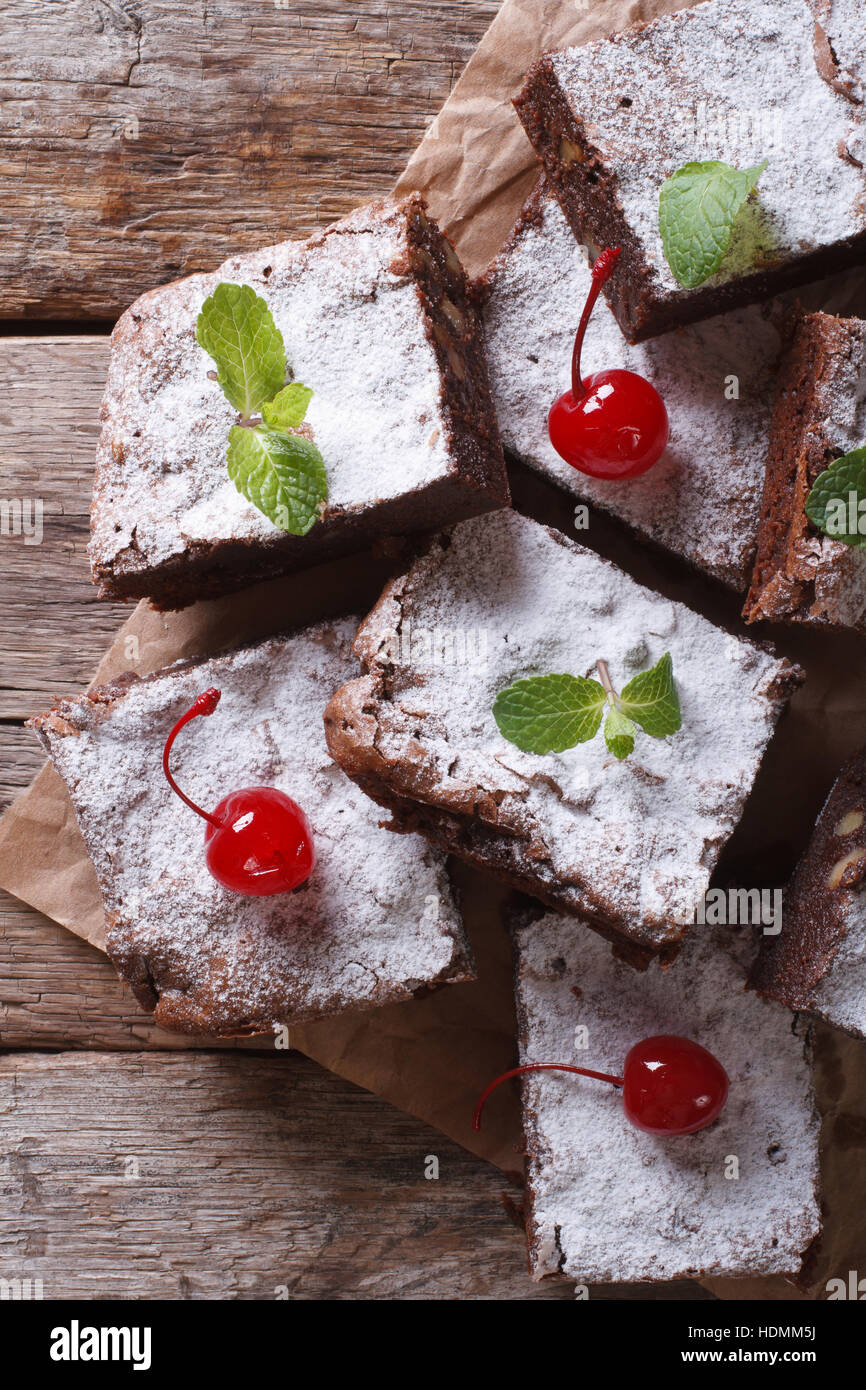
{"type": "Point", "coordinates": [651, 700]}
{"type": "Point", "coordinates": [837, 501]}
{"type": "Point", "coordinates": [548, 714]}
{"type": "Point", "coordinates": [282, 474]}
{"type": "Point", "coordinates": [698, 206]}
{"type": "Point", "coordinates": [619, 734]}
{"type": "Point", "coordinates": [287, 410]}
{"type": "Point", "coordinates": [236, 327]}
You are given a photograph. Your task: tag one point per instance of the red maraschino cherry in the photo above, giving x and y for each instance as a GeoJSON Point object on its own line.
{"type": "Point", "coordinates": [670, 1085]}
{"type": "Point", "coordinates": [612, 424]}
{"type": "Point", "coordinates": [258, 839]}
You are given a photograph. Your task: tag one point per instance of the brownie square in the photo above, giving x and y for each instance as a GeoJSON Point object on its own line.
{"type": "Point", "coordinates": [610, 1203]}
{"type": "Point", "coordinates": [628, 846]}
{"type": "Point", "coordinates": [376, 318]}
{"type": "Point", "coordinates": [818, 961]}
{"type": "Point", "coordinates": [701, 501]}
{"type": "Point", "coordinates": [800, 574]}
{"type": "Point", "coordinates": [374, 923]}
{"type": "Point", "coordinates": [732, 80]}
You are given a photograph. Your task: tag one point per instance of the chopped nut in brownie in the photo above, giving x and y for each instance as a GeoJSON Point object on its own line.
{"type": "Point", "coordinates": [817, 963]}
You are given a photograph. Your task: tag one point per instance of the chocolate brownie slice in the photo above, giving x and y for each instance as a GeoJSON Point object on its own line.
{"type": "Point", "coordinates": [376, 318]}
{"type": "Point", "coordinates": [800, 574]}
{"type": "Point", "coordinates": [702, 499]}
{"type": "Point", "coordinates": [732, 80]}
{"type": "Point", "coordinates": [374, 923]}
{"type": "Point", "coordinates": [818, 961]}
{"type": "Point", "coordinates": [629, 846]}
{"type": "Point", "coordinates": [609, 1203]}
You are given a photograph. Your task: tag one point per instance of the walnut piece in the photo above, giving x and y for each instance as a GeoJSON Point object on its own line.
{"type": "Point", "coordinates": [849, 823]}
{"type": "Point", "coordinates": [455, 316]}
{"type": "Point", "coordinates": [570, 153]}
{"type": "Point", "coordinates": [848, 870]}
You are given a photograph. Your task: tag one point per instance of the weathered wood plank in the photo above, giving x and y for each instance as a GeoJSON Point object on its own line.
{"type": "Point", "coordinates": [20, 760]}
{"type": "Point", "coordinates": [272, 1154]}
{"type": "Point", "coordinates": [56, 991]}
{"type": "Point", "coordinates": [264, 1177]}
{"type": "Point", "coordinates": [141, 140]}
{"type": "Point", "coordinates": [54, 627]}
{"type": "Point", "coordinates": [237, 1150]}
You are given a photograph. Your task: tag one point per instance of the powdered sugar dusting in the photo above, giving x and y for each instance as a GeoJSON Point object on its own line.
{"type": "Point", "coordinates": [702, 499]}
{"type": "Point", "coordinates": [636, 840]}
{"type": "Point", "coordinates": [842, 22]}
{"type": "Point", "coordinates": [353, 325]}
{"type": "Point", "coordinates": [610, 1203]}
{"type": "Point", "coordinates": [375, 921]}
{"type": "Point", "coordinates": [839, 996]}
{"type": "Point", "coordinates": [734, 80]}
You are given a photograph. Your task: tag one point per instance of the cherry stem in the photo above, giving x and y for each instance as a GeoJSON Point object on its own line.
{"type": "Point", "coordinates": [538, 1066]}
{"type": "Point", "coordinates": [205, 704]}
{"type": "Point", "coordinates": [605, 264]}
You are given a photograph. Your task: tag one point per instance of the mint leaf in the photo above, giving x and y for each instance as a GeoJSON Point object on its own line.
{"type": "Point", "coordinates": [287, 410]}
{"type": "Point", "coordinates": [547, 714]}
{"type": "Point", "coordinates": [281, 474]}
{"type": "Point", "coordinates": [698, 206]}
{"type": "Point", "coordinates": [619, 734]}
{"type": "Point", "coordinates": [837, 502]}
{"type": "Point", "coordinates": [651, 699]}
{"type": "Point", "coordinates": [237, 329]}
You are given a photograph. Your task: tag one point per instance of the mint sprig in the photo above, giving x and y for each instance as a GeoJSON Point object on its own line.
{"type": "Point", "coordinates": [837, 501]}
{"type": "Point", "coordinates": [277, 469]}
{"type": "Point", "coordinates": [549, 714]}
{"type": "Point", "coordinates": [698, 206]}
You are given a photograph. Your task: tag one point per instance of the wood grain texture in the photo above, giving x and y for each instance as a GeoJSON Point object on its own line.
{"type": "Point", "coordinates": [265, 1177]}
{"type": "Point", "coordinates": [142, 140]}
{"type": "Point", "coordinates": [55, 629]}
{"type": "Point", "coordinates": [20, 759]}
{"type": "Point", "coordinates": [59, 992]}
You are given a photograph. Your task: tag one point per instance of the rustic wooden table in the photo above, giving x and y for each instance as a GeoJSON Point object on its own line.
{"type": "Point", "coordinates": [140, 140]}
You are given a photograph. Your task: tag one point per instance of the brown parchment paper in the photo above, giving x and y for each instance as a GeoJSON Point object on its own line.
{"type": "Point", "coordinates": [431, 1057]}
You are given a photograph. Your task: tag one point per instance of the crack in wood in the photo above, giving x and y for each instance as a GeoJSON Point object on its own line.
{"type": "Point", "coordinates": [155, 117]}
